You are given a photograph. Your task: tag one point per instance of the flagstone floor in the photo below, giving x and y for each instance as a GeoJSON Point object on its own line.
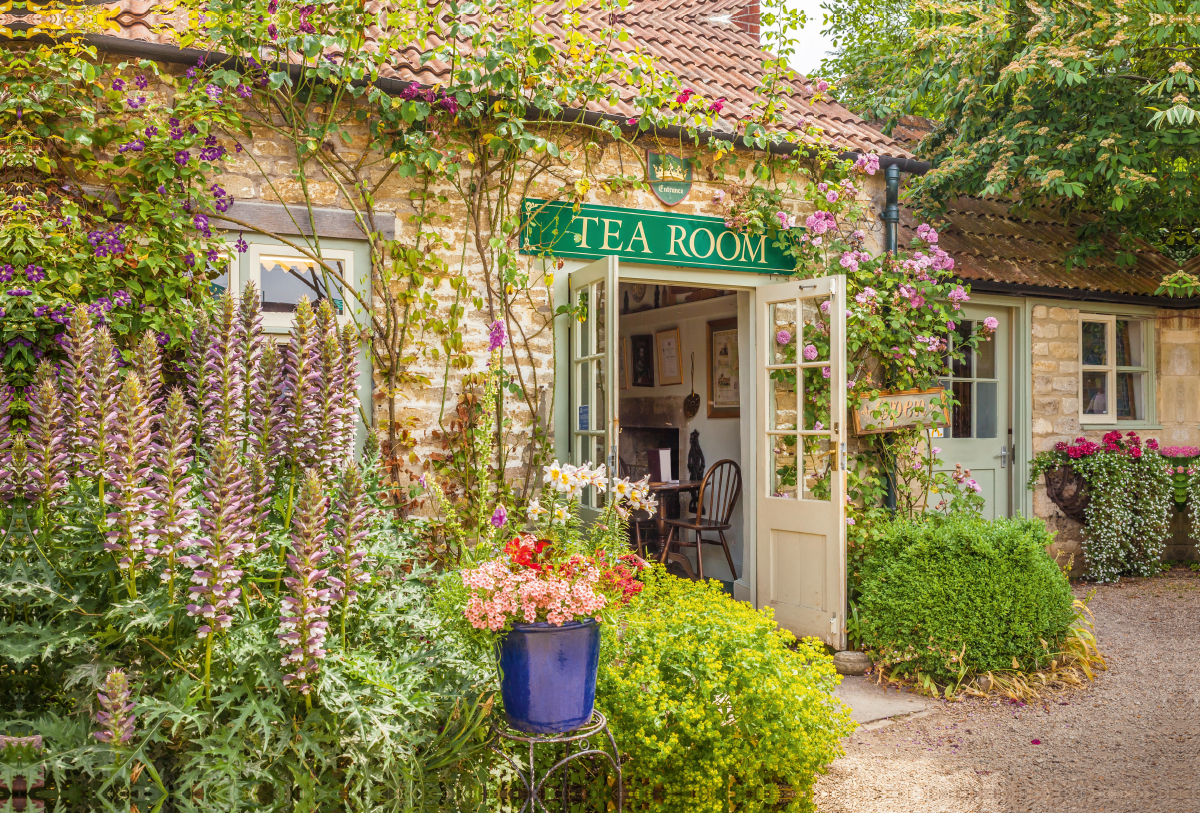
{"type": "Point", "coordinates": [1128, 742]}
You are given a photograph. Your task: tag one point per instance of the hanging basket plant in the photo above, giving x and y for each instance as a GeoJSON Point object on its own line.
{"type": "Point", "coordinates": [1122, 492]}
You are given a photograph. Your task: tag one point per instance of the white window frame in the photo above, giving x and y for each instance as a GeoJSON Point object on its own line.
{"type": "Point", "coordinates": [1109, 417]}
{"type": "Point", "coordinates": [281, 323]}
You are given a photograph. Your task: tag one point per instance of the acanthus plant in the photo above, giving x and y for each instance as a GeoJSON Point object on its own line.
{"type": "Point", "coordinates": [1130, 496]}
{"type": "Point", "coordinates": [194, 487]}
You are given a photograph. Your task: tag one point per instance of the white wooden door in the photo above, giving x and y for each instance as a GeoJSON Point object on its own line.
{"type": "Point", "coordinates": [801, 454]}
{"type": "Point", "coordinates": [593, 417]}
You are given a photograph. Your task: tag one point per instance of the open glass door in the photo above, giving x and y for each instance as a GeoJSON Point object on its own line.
{"type": "Point", "coordinates": [801, 444]}
{"type": "Point", "coordinates": [593, 393]}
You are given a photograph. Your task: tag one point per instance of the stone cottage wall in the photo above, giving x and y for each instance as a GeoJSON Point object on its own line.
{"type": "Point", "coordinates": [1055, 386]}
{"type": "Point", "coordinates": [266, 172]}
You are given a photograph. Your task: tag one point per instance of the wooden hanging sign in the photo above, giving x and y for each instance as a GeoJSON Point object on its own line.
{"type": "Point", "coordinates": [890, 411]}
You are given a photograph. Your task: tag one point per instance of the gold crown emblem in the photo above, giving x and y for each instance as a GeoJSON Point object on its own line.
{"type": "Point", "coordinates": [671, 172]}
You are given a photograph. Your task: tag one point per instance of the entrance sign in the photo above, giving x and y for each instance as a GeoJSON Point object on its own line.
{"type": "Point", "coordinates": [890, 411]}
{"type": "Point", "coordinates": [670, 177]}
{"type": "Point", "coordinates": [646, 236]}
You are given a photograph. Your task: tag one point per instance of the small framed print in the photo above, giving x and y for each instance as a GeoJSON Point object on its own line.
{"type": "Point", "coordinates": [724, 379]}
{"type": "Point", "coordinates": [670, 371]}
{"type": "Point", "coordinates": [623, 364]}
{"type": "Point", "coordinates": [641, 360]}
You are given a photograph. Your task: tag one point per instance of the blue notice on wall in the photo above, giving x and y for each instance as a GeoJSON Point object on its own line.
{"type": "Point", "coordinates": [583, 418]}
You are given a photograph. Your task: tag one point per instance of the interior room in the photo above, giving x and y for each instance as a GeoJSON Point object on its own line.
{"type": "Point", "coordinates": [680, 395]}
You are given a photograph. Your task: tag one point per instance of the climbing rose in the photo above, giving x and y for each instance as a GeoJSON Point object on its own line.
{"type": "Point", "coordinates": [783, 337]}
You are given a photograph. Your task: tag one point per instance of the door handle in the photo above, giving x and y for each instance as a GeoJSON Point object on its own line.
{"type": "Point", "coordinates": [1003, 456]}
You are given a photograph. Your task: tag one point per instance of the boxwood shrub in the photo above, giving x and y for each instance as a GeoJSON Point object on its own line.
{"type": "Point", "coordinates": [962, 595]}
{"type": "Point", "coordinates": [714, 705]}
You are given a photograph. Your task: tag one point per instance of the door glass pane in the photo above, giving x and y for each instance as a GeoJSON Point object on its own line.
{"type": "Point", "coordinates": [962, 366]}
{"type": "Point", "coordinates": [1095, 343]}
{"type": "Point", "coordinates": [784, 335]}
{"type": "Point", "coordinates": [1130, 389]}
{"type": "Point", "coordinates": [818, 467]}
{"type": "Point", "coordinates": [584, 331]}
{"type": "Point", "coordinates": [961, 416]}
{"type": "Point", "coordinates": [816, 400]}
{"type": "Point", "coordinates": [598, 315]}
{"type": "Point", "coordinates": [781, 404]}
{"type": "Point", "coordinates": [783, 466]}
{"type": "Point", "coordinates": [1129, 343]}
{"type": "Point", "coordinates": [598, 417]}
{"type": "Point", "coordinates": [583, 417]}
{"type": "Point", "coordinates": [986, 409]}
{"type": "Point", "coordinates": [1095, 392]}
{"type": "Point", "coordinates": [816, 329]}
{"type": "Point", "coordinates": [596, 498]}
{"type": "Point", "coordinates": [285, 279]}
{"type": "Point", "coordinates": [985, 358]}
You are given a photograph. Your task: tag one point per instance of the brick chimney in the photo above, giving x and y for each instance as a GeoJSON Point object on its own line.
{"type": "Point", "coordinates": [747, 18]}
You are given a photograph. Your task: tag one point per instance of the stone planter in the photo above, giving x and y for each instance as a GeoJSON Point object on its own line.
{"type": "Point", "coordinates": [1066, 489]}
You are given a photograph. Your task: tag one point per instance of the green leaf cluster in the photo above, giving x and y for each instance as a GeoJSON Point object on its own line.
{"type": "Point", "coordinates": [715, 705]}
{"type": "Point", "coordinates": [955, 596]}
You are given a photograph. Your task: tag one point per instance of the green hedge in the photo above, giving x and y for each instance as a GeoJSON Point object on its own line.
{"type": "Point", "coordinates": [716, 707]}
{"type": "Point", "coordinates": [962, 595]}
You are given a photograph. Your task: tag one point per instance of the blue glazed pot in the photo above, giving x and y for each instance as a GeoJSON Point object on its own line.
{"type": "Point", "coordinates": [548, 675]}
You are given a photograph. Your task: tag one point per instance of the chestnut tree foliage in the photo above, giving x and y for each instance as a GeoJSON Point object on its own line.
{"type": "Point", "coordinates": [1090, 109]}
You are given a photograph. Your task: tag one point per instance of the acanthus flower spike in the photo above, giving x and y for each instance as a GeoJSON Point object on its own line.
{"type": "Point", "coordinates": [299, 385]}
{"type": "Point", "coordinates": [130, 525]}
{"type": "Point", "coordinates": [351, 521]}
{"type": "Point", "coordinates": [251, 332]}
{"type": "Point", "coordinates": [328, 396]}
{"type": "Point", "coordinates": [196, 368]}
{"type": "Point", "coordinates": [47, 448]}
{"type": "Point", "coordinates": [303, 616]}
{"type": "Point", "coordinates": [116, 710]}
{"type": "Point", "coordinates": [223, 367]}
{"type": "Point", "coordinates": [100, 403]}
{"type": "Point", "coordinates": [78, 368]}
{"type": "Point", "coordinates": [173, 510]}
{"type": "Point", "coordinates": [266, 408]}
{"type": "Point", "coordinates": [348, 397]}
{"type": "Point", "coordinates": [147, 362]}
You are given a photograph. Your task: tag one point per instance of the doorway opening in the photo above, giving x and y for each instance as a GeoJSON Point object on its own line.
{"type": "Point", "coordinates": [680, 401]}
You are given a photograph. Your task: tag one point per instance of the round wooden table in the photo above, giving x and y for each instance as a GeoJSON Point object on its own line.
{"type": "Point", "coordinates": [660, 522]}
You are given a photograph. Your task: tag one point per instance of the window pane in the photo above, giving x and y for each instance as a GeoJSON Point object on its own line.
{"type": "Point", "coordinates": [1129, 343]}
{"type": "Point", "coordinates": [985, 410]}
{"type": "Point", "coordinates": [785, 334]}
{"type": "Point", "coordinates": [962, 368]}
{"type": "Point", "coordinates": [818, 462]}
{"type": "Point", "coordinates": [1130, 400]}
{"type": "Point", "coordinates": [598, 316]}
{"type": "Point", "coordinates": [961, 416]}
{"type": "Point", "coordinates": [985, 358]}
{"type": "Point", "coordinates": [285, 279]}
{"type": "Point", "coordinates": [1095, 392]}
{"type": "Point", "coordinates": [583, 420]}
{"type": "Point", "coordinates": [584, 331]}
{"type": "Point", "coordinates": [816, 329]}
{"type": "Point", "coordinates": [1095, 343]}
{"type": "Point", "coordinates": [783, 466]}
{"type": "Point", "coordinates": [816, 400]}
{"type": "Point", "coordinates": [781, 408]}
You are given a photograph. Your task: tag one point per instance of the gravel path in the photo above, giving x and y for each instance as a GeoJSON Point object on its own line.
{"type": "Point", "coordinates": [1128, 742]}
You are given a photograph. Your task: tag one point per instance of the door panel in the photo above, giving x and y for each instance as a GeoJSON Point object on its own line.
{"type": "Point", "coordinates": [978, 436]}
{"type": "Point", "coordinates": [593, 416]}
{"type": "Point", "coordinates": [800, 460]}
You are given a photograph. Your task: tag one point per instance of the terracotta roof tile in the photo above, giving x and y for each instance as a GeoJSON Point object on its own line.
{"type": "Point", "coordinates": [696, 39]}
{"type": "Point", "coordinates": [989, 243]}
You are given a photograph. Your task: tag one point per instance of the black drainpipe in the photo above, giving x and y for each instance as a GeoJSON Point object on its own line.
{"type": "Point", "coordinates": [891, 239]}
{"type": "Point", "coordinates": [891, 209]}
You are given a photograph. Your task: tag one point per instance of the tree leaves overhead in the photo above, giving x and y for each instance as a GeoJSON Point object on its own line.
{"type": "Point", "coordinates": [1089, 109]}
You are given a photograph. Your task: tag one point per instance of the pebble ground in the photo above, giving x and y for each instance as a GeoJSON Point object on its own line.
{"type": "Point", "coordinates": [1130, 741]}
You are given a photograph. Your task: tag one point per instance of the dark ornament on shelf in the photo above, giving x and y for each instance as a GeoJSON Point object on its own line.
{"type": "Point", "coordinates": [695, 463]}
{"type": "Point", "coordinates": [1066, 489]}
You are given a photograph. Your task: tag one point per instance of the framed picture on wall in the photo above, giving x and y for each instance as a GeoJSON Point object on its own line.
{"type": "Point", "coordinates": [724, 376]}
{"type": "Point", "coordinates": [623, 364]}
{"type": "Point", "coordinates": [670, 371]}
{"type": "Point", "coordinates": [641, 360]}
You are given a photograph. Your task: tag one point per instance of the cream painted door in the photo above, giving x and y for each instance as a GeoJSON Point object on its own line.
{"type": "Point", "coordinates": [801, 452]}
{"type": "Point", "coordinates": [593, 418]}
{"type": "Point", "coordinates": [979, 436]}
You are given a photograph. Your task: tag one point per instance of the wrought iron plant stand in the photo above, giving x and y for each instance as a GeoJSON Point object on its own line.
{"type": "Point", "coordinates": [574, 745]}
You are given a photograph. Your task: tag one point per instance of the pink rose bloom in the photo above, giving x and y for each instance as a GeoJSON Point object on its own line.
{"type": "Point", "coordinates": [810, 352]}
{"type": "Point", "coordinates": [783, 337]}
{"type": "Point", "coordinates": [825, 306]}
{"type": "Point", "coordinates": [832, 197]}
{"type": "Point", "coordinates": [822, 86]}
{"type": "Point", "coordinates": [825, 372]}
{"type": "Point", "coordinates": [991, 323]}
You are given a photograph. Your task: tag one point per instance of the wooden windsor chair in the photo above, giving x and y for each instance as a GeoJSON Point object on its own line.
{"type": "Point", "coordinates": [720, 491]}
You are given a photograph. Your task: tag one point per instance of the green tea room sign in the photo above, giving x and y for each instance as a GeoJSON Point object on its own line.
{"type": "Point", "coordinates": [646, 236]}
{"type": "Point", "coordinates": [670, 177]}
